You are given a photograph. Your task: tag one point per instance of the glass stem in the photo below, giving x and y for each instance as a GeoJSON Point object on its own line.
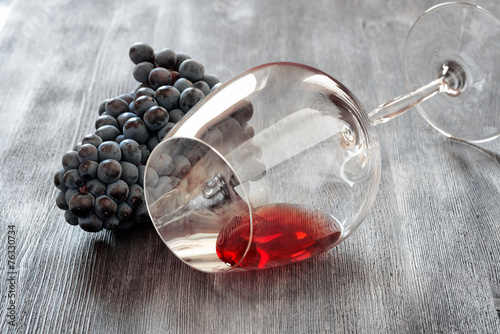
{"type": "Point", "coordinates": [451, 82]}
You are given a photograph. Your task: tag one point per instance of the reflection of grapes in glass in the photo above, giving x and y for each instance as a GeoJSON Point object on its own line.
{"type": "Point", "coordinates": [282, 163]}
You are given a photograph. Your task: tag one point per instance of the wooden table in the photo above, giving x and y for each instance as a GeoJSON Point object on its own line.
{"type": "Point", "coordinates": [427, 258]}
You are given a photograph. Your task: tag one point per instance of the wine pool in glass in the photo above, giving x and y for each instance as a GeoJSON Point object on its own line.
{"type": "Point", "coordinates": [282, 163]}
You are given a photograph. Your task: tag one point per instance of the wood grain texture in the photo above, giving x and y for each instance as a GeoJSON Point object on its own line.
{"type": "Point", "coordinates": [427, 258]}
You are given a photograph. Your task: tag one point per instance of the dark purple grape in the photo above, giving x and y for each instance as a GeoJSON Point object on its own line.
{"type": "Point", "coordinates": [129, 98]}
{"type": "Point", "coordinates": [108, 132]}
{"type": "Point", "coordinates": [189, 98]}
{"type": "Point", "coordinates": [131, 151]}
{"type": "Point", "coordinates": [203, 86]}
{"type": "Point", "coordinates": [96, 187]}
{"type": "Point", "coordinates": [118, 191]}
{"type": "Point", "coordinates": [109, 150]}
{"type": "Point", "coordinates": [159, 77]}
{"type": "Point", "coordinates": [163, 164]}
{"type": "Point", "coordinates": [105, 120]}
{"type": "Point", "coordinates": [130, 173]}
{"type": "Point", "coordinates": [111, 223]}
{"type": "Point", "coordinates": [72, 179]}
{"type": "Point", "coordinates": [142, 70]}
{"type": "Point", "coordinates": [163, 131]}
{"type": "Point", "coordinates": [144, 91]}
{"type": "Point", "coordinates": [109, 171]}
{"type": "Point", "coordinates": [145, 152]}
{"type": "Point", "coordinates": [70, 193]}
{"type": "Point", "coordinates": [141, 215]}
{"type": "Point", "coordinates": [140, 180]}
{"type": "Point", "coordinates": [70, 160]}
{"type": "Point", "coordinates": [135, 196]}
{"type": "Point", "coordinates": [90, 223]}
{"type": "Point", "coordinates": [124, 211]}
{"type": "Point", "coordinates": [81, 204]}
{"type": "Point", "coordinates": [140, 52]}
{"type": "Point", "coordinates": [156, 118]}
{"type": "Point", "coordinates": [119, 139]}
{"type": "Point", "coordinates": [211, 80]}
{"type": "Point", "coordinates": [102, 107]}
{"type": "Point", "coordinates": [180, 58]}
{"type": "Point", "coordinates": [181, 166]}
{"type": "Point", "coordinates": [58, 179]}
{"type": "Point", "coordinates": [168, 97]}
{"type": "Point", "coordinates": [70, 218]}
{"type": "Point", "coordinates": [92, 139]}
{"type": "Point", "coordinates": [143, 103]}
{"type": "Point", "coordinates": [166, 58]}
{"type": "Point", "coordinates": [87, 152]}
{"type": "Point", "coordinates": [152, 142]}
{"type": "Point", "coordinates": [182, 84]}
{"type": "Point", "coordinates": [242, 111]}
{"type": "Point", "coordinates": [61, 201]}
{"type": "Point", "coordinates": [123, 118]}
{"type": "Point", "coordinates": [116, 106]}
{"type": "Point", "coordinates": [135, 129]}
{"type": "Point", "coordinates": [88, 170]}
{"type": "Point", "coordinates": [105, 207]}
{"type": "Point", "coordinates": [192, 70]}
{"type": "Point", "coordinates": [175, 115]}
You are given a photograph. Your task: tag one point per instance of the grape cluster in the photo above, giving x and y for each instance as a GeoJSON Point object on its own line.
{"type": "Point", "coordinates": [101, 180]}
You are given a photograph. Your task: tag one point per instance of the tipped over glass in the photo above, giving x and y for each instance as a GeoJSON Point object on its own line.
{"type": "Point", "coordinates": [282, 163]}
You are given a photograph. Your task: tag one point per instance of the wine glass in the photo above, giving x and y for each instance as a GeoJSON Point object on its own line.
{"type": "Point", "coordinates": [282, 163]}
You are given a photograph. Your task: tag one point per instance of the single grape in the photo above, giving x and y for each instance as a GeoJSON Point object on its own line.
{"type": "Point", "coordinates": [105, 120]}
{"type": "Point", "coordinates": [140, 180]}
{"type": "Point", "coordinates": [124, 211]}
{"type": "Point", "coordinates": [192, 70]}
{"type": "Point", "coordinates": [168, 97]}
{"type": "Point", "coordinates": [58, 179]}
{"type": "Point", "coordinates": [129, 98]}
{"type": "Point", "coordinates": [211, 80]}
{"type": "Point", "coordinates": [87, 152]}
{"type": "Point", "coordinates": [181, 166]}
{"type": "Point", "coordinates": [109, 171]}
{"type": "Point", "coordinates": [166, 58]}
{"type": "Point", "coordinates": [230, 128]}
{"type": "Point", "coordinates": [213, 137]}
{"type": "Point", "coordinates": [123, 118]}
{"type": "Point", "coordinates": [135, 129]}
{"type": "Point", "coordinates": [102, 107]}
{"type": "Point", "coordinates": [143, 103]}
{"type": "Point", "coordinates": [151, 178]}
{"type": "Point", "coordinates": [144, 91]}
{"type": "Point", "coordinates": [105, 207]}
{"type": "Point", "coordinates": [142, 70]}
{"type": "Point", "coordinates": [152, 142]}
{"type": "Point", "coordinates": [111, 223]}
{"type": "Point", "coordinates": [159, 77]}
{"type": "Point", "coordinates": [156, 118]}
{"type": "Point", "coordinates": [90, 223]}
{"type": "Point", "coordinates": [130, 173]}
{"type": "Point", "coordinates": [141, 215]}
{"type": "Point", "coordinates": [140, 52]}
{"type": "Point", "coordinates": [109, 150]}
{"type": "Point", "coordinates": [119, 139]}
{"type": "Point", "coordinates": [61, 201]}
{"type": "Point", "coordinates": [131, 151]}
{"type": "Point", "coordinates": [96, 187]}
{"type": "Point", "coordinates": [88, 170]}
{"type": "Point", "coordinates": [189, 98]}
{"type": "Point", "coordinates": [135, 196]}
{"type": "Point", "coordinates": [175, 115]}
{"type": "Point", "coordinates": [116, 106]}
{"type": "Point", "coordinates": [242, 111]}
{"type": "Point", "coordinates": [107, 132]}
{"type": "Point", "coordinates": [70, 218]}
{"type": "Point", "coordinates": [180, 58]}
{"type": "Point", "coordinates": [70, 193]}
{"type": "Point", "coordinates": [163, 164]}
{"type": "Point", "coordinates": [203, 86]}
{"type": "Point", "coordinates": [182, 84]}
{"type": "Point", "coordinates": [72, 179]}
{"type": "Point", "coordinates": [175, 76]}
{"type": "Point", "coordinates": [92, 139]}
{"type": "Point", "coordinates": [70, 160]}
{"type": "Point", "coordinates": [163, 131]}
{"type": "Point", "coordinates": [144, 154]}
{"type": "Point", "coordinates": [81, 204]}
{"type": "Point", "coordinates": [118, 191]}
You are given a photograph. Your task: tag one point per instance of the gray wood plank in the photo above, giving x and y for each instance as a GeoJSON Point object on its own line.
{"type": "Point", "coordinates": [425, 260]}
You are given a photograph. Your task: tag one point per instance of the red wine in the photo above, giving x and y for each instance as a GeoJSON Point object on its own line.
{"type": "Point", "coordinates": [282, 234]}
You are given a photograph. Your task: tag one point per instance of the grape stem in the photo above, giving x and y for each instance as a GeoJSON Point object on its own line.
{"type": "Point", "coordinates": [451, 81]}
